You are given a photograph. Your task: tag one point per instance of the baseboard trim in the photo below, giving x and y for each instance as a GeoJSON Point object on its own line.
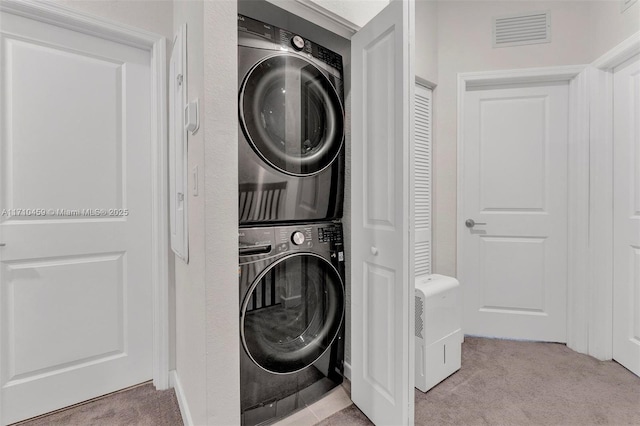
{"type": "Point", "coordinates": [347, 370]}
{"type": "Point", "coordinates": [174, 381]}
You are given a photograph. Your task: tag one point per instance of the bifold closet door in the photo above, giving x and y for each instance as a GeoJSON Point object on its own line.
{"type": "Point", "coordinates": [382, 281]}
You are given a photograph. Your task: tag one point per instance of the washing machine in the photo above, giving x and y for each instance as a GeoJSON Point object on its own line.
{"type": "Point", "coordinates": [291, 118]}
{"type": "Point", "coordinates": [291, 317]}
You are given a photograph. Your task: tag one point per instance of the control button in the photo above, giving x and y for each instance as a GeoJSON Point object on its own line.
{"type": "Point", "coordinates": [297, 238]}
{"type": "Point", "coordinates": [297, 42]}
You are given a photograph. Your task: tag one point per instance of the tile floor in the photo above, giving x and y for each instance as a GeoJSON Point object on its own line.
{"type": "Point", "coordinates": [334, 401]}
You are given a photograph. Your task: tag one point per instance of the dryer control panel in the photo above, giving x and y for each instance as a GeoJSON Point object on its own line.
{"type": "Point", "coordinates": [288, 40]}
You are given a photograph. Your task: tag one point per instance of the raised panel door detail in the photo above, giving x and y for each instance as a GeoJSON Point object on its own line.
{"type": "Point", "coordinates": [379, 136]}
{"type": "Point", "coordinates": [72, 313]}
{"type": "Point", "coordinates": [382, 295]}
{"type": "Point", "coordinates": [379, 315]}
{"type": "Point", "coordinates": [635, 294]}
{"type": "Point", "coordinates": [513, 139]}
{"type": "Point", "coordinates": [634, 113]}
{"type": "Point", "coordinates": [73, 105]}
{"type": "Point", "coordinates": [513, 273]}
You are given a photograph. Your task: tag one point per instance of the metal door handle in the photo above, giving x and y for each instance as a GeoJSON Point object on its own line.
{"type": "Point", "coordinates": [374, 251]}
{"type": "Point", "coordinates": [470, 223]}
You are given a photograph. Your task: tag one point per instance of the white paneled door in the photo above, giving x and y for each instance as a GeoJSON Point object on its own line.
{"type": "Point", "coordinates": [382, 285]}
{"type": "Point", "coordinates": [75, 197]}
{"type": "Point", "coordinates": [513, 260]}
{"type": "Point", "coordinates": [626, 215]}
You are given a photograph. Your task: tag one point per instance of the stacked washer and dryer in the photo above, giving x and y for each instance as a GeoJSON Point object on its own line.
{"type": "Point", "coordinates": [291, 190]}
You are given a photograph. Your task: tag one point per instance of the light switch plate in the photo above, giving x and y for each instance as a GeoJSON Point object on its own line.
{"type": "Point", "coordinates": [191, 117]}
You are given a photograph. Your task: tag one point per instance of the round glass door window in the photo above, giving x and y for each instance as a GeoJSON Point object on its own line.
{"type": "Point", "coordinates": [292, 313]}
{"type": "Point", "coordinates": [292, 115]}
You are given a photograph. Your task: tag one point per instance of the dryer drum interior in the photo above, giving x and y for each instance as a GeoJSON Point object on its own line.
{"type": "Point", "coordinates": [292, 313]}
{"type": "Point", "coordinates": [292, 115]}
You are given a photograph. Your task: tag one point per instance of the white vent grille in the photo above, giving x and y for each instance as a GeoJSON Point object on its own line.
{"type": "Point", "coordinates": [423, 258]}
{"type": "Point", "coordinates": [422, 164]}
{"type": "Point", "coordinates": [527, 28]}
{"type": "Point", "coordinates": [419, 315]}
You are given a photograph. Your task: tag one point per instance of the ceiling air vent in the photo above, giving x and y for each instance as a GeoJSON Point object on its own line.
{"type": "Point", "coordinates": [523, 28]}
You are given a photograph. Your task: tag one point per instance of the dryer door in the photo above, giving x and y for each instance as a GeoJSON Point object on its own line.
{"type": "Point", "coordinates": [292, 115]}
{"type": "Point", "coordinates": [292, 313]}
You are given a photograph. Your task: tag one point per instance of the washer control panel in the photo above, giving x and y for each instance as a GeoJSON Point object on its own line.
{"type": "Point", "coordinates": [329, 234]}
{"type": "Point", "coordinates": [271, 241]}
{"type": "Point", "coordinates": [294, 238]}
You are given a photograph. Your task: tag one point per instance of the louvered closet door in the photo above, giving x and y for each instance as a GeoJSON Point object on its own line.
{"type": "Point", "coordinates": [422, 158]}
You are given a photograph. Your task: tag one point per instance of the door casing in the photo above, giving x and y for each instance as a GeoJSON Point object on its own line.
{"type": "Point", "coordinates": [602, 168]}
{"type": "Point", "coordinates": [155, 44]}
{"type": "Point", "coordinates": [578, 177]}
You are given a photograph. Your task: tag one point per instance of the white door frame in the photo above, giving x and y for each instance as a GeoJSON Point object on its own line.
{"type": "Point", "coordinates": [578, 178]}
{"type": "Point", "coordinates": [602, 167]}
{"type": "Point", "coordinates": [155, 44]}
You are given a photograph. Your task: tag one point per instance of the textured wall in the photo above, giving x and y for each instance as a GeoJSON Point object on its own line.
{"type": "Point", "coordinates": [357, 11]}
{"type": "Point", "coordinates": [610, 26]}
{"type": "Point", "coordinates": [426, 61]}
{"type": "Point", "coordinates": [220, 117]}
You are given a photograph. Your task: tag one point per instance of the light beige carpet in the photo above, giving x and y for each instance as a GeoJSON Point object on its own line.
{"type": "Point", "coordinates": [142, 405]}
{"type": "Point", "coordinates": [504, 382]}
{"type": "Point", "coordinates": [501, 382]}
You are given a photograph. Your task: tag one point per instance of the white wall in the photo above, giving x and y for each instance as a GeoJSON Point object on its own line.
{"type": "Point", "coordinates": [610, 27]}
{"type": "Point", "coordinates": [426, 61]}
{"type": "Point", "coordinates": [207, 358]}
{"type": "Point", "coordinates": [220, 118]}
{"type": "Point", "coordinates": [357, 11]}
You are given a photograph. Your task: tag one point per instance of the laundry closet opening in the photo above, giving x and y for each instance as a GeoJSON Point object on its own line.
{"type": "Point", "coordinates": [292, 164]}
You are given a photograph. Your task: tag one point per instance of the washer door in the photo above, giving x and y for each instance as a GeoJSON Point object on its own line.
{"type": "Point", "coordinates": [292, 313]}
{"type": "Point", "coordinates": [292, 115]}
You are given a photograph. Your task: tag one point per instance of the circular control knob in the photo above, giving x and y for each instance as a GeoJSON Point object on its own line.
{"type": "Point", "coordinates": [297, 42]}
{"type": "Point", "coordinates": [297, 238]}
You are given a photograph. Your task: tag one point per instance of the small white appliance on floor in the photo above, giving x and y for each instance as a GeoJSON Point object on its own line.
{"type": "Point", "coordinates": [438, 348]}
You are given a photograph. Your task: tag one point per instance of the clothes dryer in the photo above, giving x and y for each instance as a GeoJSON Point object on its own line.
{"type": "Point", "coordinates": [291, 118]}
{"type": "Point", "coordinates": [291, 317]}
